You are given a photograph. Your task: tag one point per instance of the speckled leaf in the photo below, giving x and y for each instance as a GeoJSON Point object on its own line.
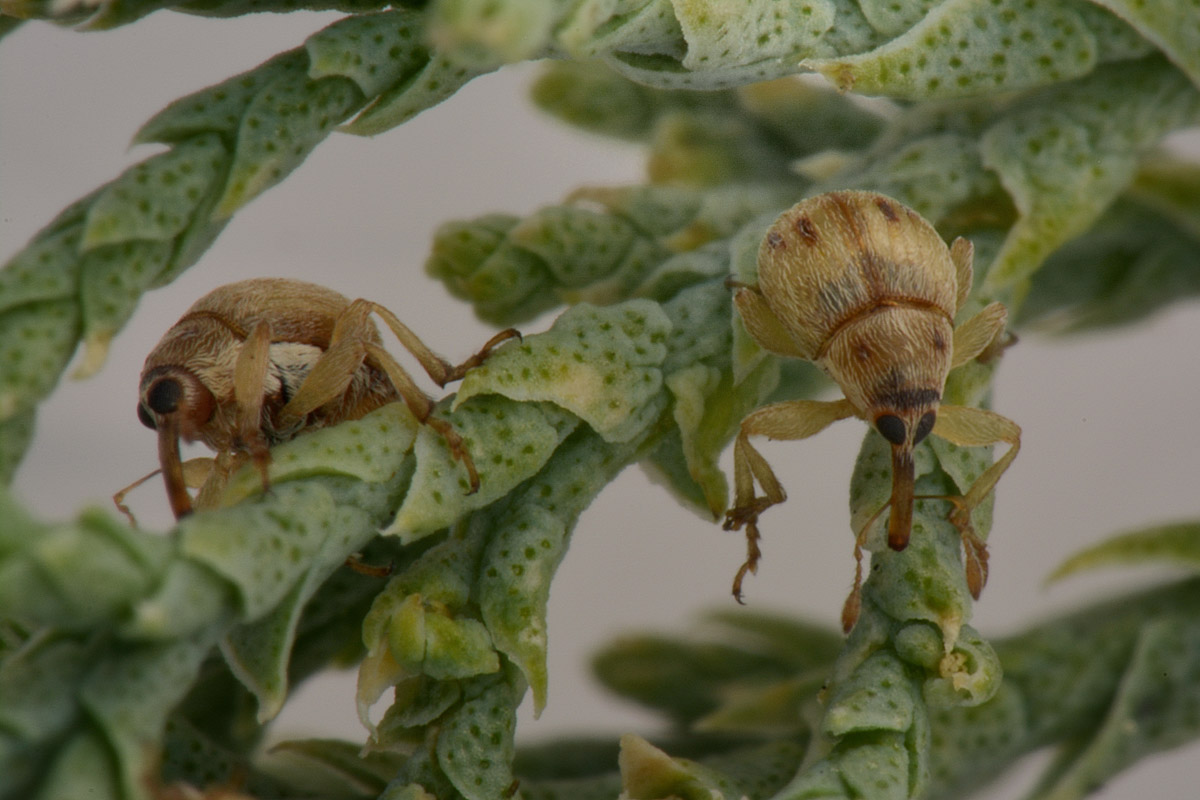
{"type": "Point", "coordinates": [434, 82]}
{"type": "Point", "coordinates": [45, 270]}
{"type": "Point", "coordinates": [79, 574]}
{"type": "Point", "coordinates": [475, 746]}
{"type": "Point", "coordinates": [734, 34]}
{"type": "Point", "coordinates": [892, 18]}
{"type": "Point", "coordinates": [33, 705]}
{"type": "Point", "coordinates": [1177, 544]}
{"type": "Point", "coordinates": [485, 34]}
{"type": "Point", "coordinates": [1067, 152]}
{"type": "Point", "coordinates": [578, 246]}
{"type": "Point", "coordinates": [515, 587]}
{"type": "Point", "coordinates": [281, 124]}
{"type": "Point", "coordinates": [370, 449]}
{"type": "Point", "coordinates": [36, 341]}
{"type": "Point", "coordinates": [1157, 707]}
{"type": "Point", "coordinates": [156, 198]}
{"type": "Point", "coordinates": [1135, 261]}
{"type": "Point", "coordinates": [220, 108]}
{"type": "Point", "coordinates": [129, 694]}
{"type": "Point", "coordinates": [457, 648]}
{"type": "Point", "coordinates": [601, 364]}
{"type": "Point", "coordinates": [881, 769]}
{"type": "Point", "coordinates": [648, 773]}
{"type": "Point", "coordinates": [931, 174]}
{"type": "Point", "coordinates": [84, 767]}
{"type": "Point", "coordinates": [878, 696]}
{"type": "Point", "coordinates": [596, 27]}
{"type": "Point", "coordinates": [112, 281]}
{"type": "Point", "coordinates": [508, 442]}
{"type": "Point", "coordinates": [258, 653]}
{"type": "Point", "coordinates": [376, 51]}
{"type": "Point", "coordinates": [708, 407]}
{"type": "Point", "coordinates": [264, 550]}
{"type": "Point", "coordinates": [343, 762]}
{"type": "Point", "coordinates": [686, 269]}
{"type": "Point", "coordinates": [972, 47]}
{"type": "Point", "coordinates": [1172, 25]}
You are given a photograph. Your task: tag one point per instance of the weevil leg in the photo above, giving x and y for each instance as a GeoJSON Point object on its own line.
{"type": "Point", "coordinates": [976, 427]}
{"type": "Point", "coordinates": [440, 370]}
{"type": "Point", "coordinates": [853, 604]}
{"type": "Point", "coordinates": [422, 407]}
{"type": "Point", "coordinates": [791, 420]}
{"type": "Point", "coordinates": [762, 324]}
{"type": "Point", "coordinates": [249, 374]}
{"type": "Point", "coordinates": [195, 471]}
{"type": "Point", "coordinates": [962, 255]}
{"type": "Point", "coordinates": [978, 333]}
{"type": "Point", "coordinates": [119, 497]}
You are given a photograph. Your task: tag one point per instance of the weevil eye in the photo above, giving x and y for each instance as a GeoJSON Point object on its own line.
{"type": "Point", "coordinates": [163, 397]}
{"type": "Point", "coordinates": [892, 428]}
{"type": "Point", "coordinates": [146, 418]}
{"type": "Point", "coordinates": [924, 426]}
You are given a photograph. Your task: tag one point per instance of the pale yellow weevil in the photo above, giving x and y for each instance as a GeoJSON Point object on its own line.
{"type": "Point", "coordinates": [865, 288]}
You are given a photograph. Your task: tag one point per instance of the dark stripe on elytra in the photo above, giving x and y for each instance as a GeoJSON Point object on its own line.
{"type": "Point", "coordinates": [905, 399]}
{"type": "Point", "coordinates": [806, 229]}
{"type": "Point", "coordinates": [887, 210]}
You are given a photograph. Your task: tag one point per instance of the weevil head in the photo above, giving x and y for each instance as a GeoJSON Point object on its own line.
{"type": "Point", "coordinates": [173, 398]}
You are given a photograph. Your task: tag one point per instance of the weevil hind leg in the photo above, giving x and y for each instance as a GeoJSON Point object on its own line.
{"type": "Point", "coordinates": [421, 406]}
{"type": "Point", "coordinates": [976, 427]}
{"type": "Point", "coordinates": [791, 420]}
{"type": "Point", "coordinates": [438, 368]}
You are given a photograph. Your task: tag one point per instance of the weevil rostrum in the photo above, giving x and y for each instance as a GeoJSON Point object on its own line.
{"type": "Point", "coordinates": [254, 363]}
{"type": "Point", "coordinates": [865, 288]}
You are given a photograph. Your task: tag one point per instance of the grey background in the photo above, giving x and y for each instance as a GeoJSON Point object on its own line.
{"type": "Point", "coordinates": [1110, 433]}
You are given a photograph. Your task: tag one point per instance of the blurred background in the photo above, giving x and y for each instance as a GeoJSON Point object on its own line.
{"type": "Point", "coordinates": [1110, 434]}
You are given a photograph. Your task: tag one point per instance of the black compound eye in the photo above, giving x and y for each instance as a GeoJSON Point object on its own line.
{"type": "Point", "coordinates": [146, 418]}
{"type": "Point", "coordinates": [892, 428]}
{"type": "Point", "coordinates": [924, 426]}
{"type": "Point", "coordinates": [163, 397]}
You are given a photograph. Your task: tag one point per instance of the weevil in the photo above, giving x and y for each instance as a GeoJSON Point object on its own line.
{"type": "Point", "coordinates": [254, 363]}
{"type": "Point", "coordinates": [865, 288]}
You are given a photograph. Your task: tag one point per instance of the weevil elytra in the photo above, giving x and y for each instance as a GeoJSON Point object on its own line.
{"type": "Point", "coordinates": [254, 363]}
{"type": "Point", "coordinates": [865, 288]}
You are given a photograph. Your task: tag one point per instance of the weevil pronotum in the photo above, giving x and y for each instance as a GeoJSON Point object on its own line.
{"type": "Point", "coordinates": [865, 288]}
{"type": "Point", "coordinates": [254, 363]}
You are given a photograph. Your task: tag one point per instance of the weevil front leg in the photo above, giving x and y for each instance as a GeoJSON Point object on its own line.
{"type": "Point", "coordinates": [790, 420]}
{"type": "Point", "coordinates": [194, 471]}
{"type": "Point", "coordinates": [249, 375]}
{"type": "Point", "coordinates": [976, 427]}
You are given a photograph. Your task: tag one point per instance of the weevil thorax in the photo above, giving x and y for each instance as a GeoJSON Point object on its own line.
{"type": "Point", "coordinates": [197, 357]}
{"type": "Point", "coordinates": [866, 288]}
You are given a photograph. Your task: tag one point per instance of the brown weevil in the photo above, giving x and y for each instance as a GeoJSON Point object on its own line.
{"type": "Point", "coordinates": [254, 363]}
{"type": "Point", "coordinates": [866, 288]}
